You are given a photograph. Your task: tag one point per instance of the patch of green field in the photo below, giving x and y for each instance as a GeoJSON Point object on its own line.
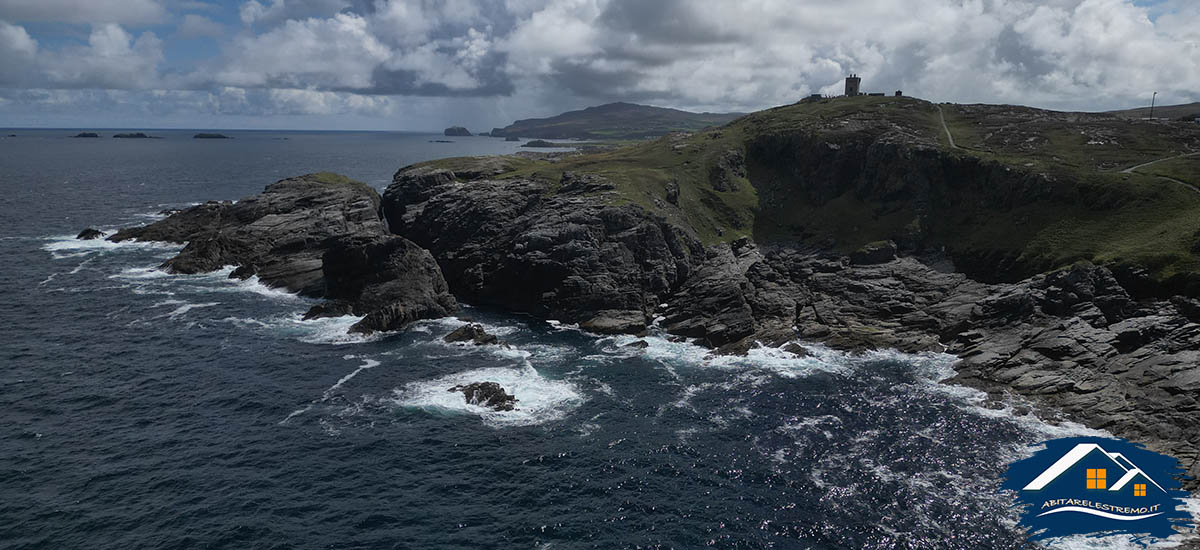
{"type": "Point", "coordinates": [1185, 169]}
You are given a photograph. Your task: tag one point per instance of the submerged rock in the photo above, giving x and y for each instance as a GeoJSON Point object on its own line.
{"type": "Point", "coordinates": [90, 234]}
{"type": "Point", "coordinates": [471, 332]}
{"type": "Point", "coordinates": [487, 394]}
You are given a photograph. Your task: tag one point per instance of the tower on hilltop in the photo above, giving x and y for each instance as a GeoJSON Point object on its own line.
{"type": "Point", "coordinates": [852, 84]}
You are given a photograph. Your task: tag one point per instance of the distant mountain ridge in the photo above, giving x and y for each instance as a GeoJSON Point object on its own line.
{"type": "Point", "coordinates": [1190, 110]}
{"type": "Point", "coordinates": [613, 121]}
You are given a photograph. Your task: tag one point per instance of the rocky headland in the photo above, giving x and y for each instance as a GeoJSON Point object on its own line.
{"type": "Point", "coordinates": [1052, 273]}
{"type": "Point", "coordinates": [318, 235]}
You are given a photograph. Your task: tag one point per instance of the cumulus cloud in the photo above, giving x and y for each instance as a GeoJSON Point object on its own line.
{"type": "Point", "coordinates": [111, 59]}
{"type": "Point", "coordinates": [273, 11]}
{"type": "Point", "coordinates": [324, 53]}
{"type": "Point", "coordinates": [198, 26]}
{"type": "Point", "coordinates": [82, 11]}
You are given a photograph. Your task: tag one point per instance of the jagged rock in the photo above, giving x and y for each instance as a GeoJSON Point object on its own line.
{"type": "Point", "coordinates": [319, 235]}
{"type": "Point", "coordinates": [329, 309]}
{"type": "Point", "coordinates": [283, 231]}
{"type": "Point", "coordinates": [514, 244]}
{"type": "Point", "coordinates": [456, 131]}
{"type": "Point", "coordinates": [487, 394]}
{"type": "Point", "coordinates": [874, 253]}
{"type": "Point", "coordinates": [372, 271]}
{"type": "Point", "coordinates": [637, 344]}
{"type": "Point", "coordinates": [471, 332]}
{"type": "Point", "coordinates": [729, 169]}
{"type": "Point", "coordinates": [673, 192]}
{"type": "Point", "coordinates": [615, 322]}
{"type": "Point", "coordinates": [796, 349]}
{"type": "Point", "coordinates": [89, 234]}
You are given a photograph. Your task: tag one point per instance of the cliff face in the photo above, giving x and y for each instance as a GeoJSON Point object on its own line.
{"type": "Point", "coordinates": [557, 251]}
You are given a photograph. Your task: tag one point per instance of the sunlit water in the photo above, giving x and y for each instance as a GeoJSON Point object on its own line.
{"type": "Point", "coordinates": [147, 410]}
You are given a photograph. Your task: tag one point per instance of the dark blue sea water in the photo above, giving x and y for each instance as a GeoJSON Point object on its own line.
{"type": "Point", "coordinates": [145, 410]}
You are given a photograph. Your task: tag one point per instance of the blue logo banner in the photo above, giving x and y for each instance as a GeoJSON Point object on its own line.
{"type": "Point", "coordinates": [1088, 485]}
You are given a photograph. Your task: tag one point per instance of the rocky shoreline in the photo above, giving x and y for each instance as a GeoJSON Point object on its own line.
{"type": "Point", "coordinates": [1095, 345]}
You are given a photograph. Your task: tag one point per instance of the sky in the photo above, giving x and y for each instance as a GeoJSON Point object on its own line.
{"type": "Point", "coordinates": [427, 64]}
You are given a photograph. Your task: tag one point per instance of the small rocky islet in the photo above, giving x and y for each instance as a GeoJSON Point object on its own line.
{"type": "Point", "coordinates": [1111, 346]}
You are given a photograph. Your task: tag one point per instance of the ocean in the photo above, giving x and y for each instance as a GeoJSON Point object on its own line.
{"type": "Point", "coordinates": [140, 409]}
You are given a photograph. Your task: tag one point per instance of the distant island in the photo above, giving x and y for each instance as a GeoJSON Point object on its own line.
{"type": "Point", "coordinates": [210, 136]}
{"type": "Point", "coordinates": [86, 135]}
{"type": "Point", "coordinates": [614, 121]}
{"type": "Point", "coordinates": [541, 143]}
{"type": "Point", "coordinates": [457, 131]}
{"type": "Point", "coordinates": [135, 135]}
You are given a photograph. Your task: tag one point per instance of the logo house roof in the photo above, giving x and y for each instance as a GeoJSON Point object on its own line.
{"type": "Point", "coordinates": [1076, 454]}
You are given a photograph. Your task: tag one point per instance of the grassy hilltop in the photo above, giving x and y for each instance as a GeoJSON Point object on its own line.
{"type": "Point", "coordinates": [613, 121]}
{"type": "Point", "coordinates": [1021, 191]}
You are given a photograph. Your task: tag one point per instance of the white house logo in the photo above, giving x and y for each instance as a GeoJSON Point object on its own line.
{"type": "Point", "coordinates": [1090, 485]}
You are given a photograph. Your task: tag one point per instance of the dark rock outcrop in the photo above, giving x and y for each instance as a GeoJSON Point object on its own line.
{"type": "Point", "coordinates": [473, 333]}
{"type": "Point", "coordinates": [728, 171]}
{"type": "Point", "coordinates": [456, 131]}
{"type": "Point", "coordinates": [134, 135]}
{"type": "Point", "coordinates": [210, 136]}
{"type": "Point", "coordinates": [317, 235]}
{"type": "Point", "coordinates": [514, 244]}
{"type": "Point", "coordinates": [86, 135]}
{"type": "Point", "coordinates": [90, 234]}
{"type": "Point", "coordinates": [874, 253]}
{"type": "Point", "coordinates": [539, 143]}
{"type": "Point", "coordinates": [487, 394]}
{"type": "Point", "coordinates": [1072, 339]}
{"type": "Point", "coordinates": [512, 138]}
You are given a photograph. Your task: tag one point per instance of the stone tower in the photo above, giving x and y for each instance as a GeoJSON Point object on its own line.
{"type": "Point", "coordinates": [852, 83]}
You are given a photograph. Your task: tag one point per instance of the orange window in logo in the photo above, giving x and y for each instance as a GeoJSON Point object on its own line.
{"type": "Point", "coordinates": [1139, 489]}
{"type": "Point", "coordinates": [1096, 478]}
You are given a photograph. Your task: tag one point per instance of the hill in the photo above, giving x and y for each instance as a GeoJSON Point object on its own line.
{"type": "Point", "coordinates": [1020, 191]}
{"type": "Point", "coordinates": [613, 121]}
{"type": "Point", "coordinates": [1191, 110]}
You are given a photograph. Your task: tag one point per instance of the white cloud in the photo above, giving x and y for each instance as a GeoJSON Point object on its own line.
{"type": "Point", "coordinates": [327, 53]}
{"type": "Point", "coordinates": [274, 11]}
{"type": "Point", "coordinates": [112, 59]}
{"type": "Point", "coordinates": [129, 12]}
{"type": "Point", "coordinates": [197, 26]}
